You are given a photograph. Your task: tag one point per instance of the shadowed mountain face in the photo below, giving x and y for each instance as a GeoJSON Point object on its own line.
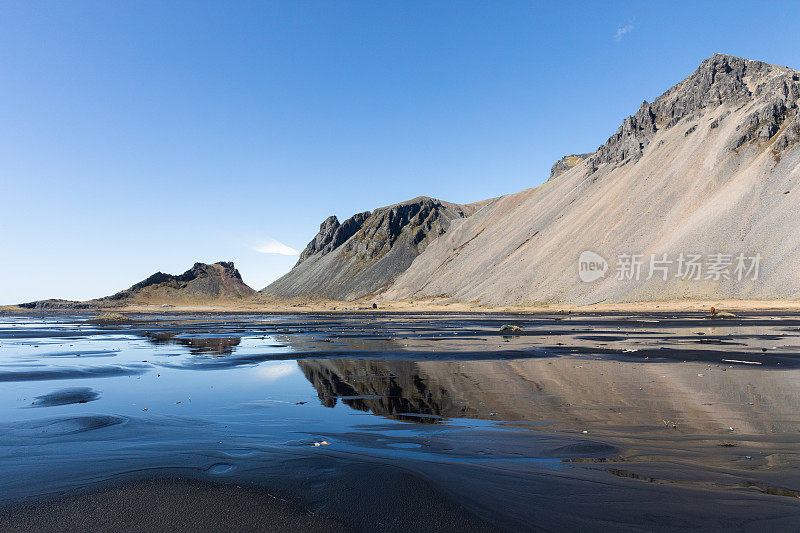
{"type": "Point", "coordinates": [202, 282]}
{"type": "Point", "coordinates": [710, 167]}
{"type": "Point", "coordinates": [332, 235]}
{"type": "Point", "coordinates": [367, 251]}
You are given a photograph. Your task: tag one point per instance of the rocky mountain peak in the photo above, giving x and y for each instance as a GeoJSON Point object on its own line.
{"type": "Point", "coordinates": [423, 218]}
{"type": "Point", "coordinates": [321, 239]}
{"type": "Point", "coordinates": [225, 269]}
{"type": "Point", "coordinates": [368, 250]}
{"type": "Point", "coordinates": [378, 230]}
{"type": "Point", "coordinates": [332, 235]}
{"type": "Point", "coordinates": [220, 279]}
{"type": "Point", "coordinates": [773, 91]}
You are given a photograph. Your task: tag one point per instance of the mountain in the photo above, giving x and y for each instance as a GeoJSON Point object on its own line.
{"type": "Point", "coordinates": [695, 196]}
{"type": "Point", "coordinates": [366, 252]}
{"type": "Point", "coordinates": [202, 282]}
{"type": "Point", "coordinates": [709, 167]}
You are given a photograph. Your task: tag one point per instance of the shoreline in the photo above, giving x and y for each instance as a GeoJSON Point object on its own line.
{"type": "Point", "coordinates": [419, 306]}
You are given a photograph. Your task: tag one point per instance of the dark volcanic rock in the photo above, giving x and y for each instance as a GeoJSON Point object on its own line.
{"type": "Point", "coordinates": [321, 239]}
{"type": "Point", "coordinates": [332, 235]}
{"type": "Point", "coordinates": [367, 251]}
{"type": "Point", "coordinates": [423, 219]}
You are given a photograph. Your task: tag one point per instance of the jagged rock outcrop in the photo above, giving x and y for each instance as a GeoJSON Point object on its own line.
{"type": "Point", "coordinates": [566, 163]}
{"type": "Point", "coordinates": [367, 251]}
{"type": "Point", "coordinates": [332, 235]}
{"type": "Point", "coordinates": [720, 80]}
{"type": "Point", "coordinates": [712, 166]}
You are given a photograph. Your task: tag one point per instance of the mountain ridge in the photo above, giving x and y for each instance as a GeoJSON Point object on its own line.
{"type": "Point", "coordinates": [365, 253]}
{"type": "Point", "coordinates": [719, 79]}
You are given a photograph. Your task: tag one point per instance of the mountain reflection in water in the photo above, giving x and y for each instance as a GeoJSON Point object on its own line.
{"type": "Point", "coordinates": [196, 345]}
{"type": "Point", "coordinates": [572, 394]}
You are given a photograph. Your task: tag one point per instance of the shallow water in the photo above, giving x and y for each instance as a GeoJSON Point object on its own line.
{"type": "Point", "coordinates": [632, 420]}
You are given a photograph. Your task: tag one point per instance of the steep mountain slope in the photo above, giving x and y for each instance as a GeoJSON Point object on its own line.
{"type": "Point", "coordinates": [710, 167]}
{"type": "Point", "coordinates": [367, 251]}
{"type": "Point", "coordinates": [201, 283]}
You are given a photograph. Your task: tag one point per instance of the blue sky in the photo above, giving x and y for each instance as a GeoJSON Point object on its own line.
{"type": "Point", "coordinates": [142, 136]}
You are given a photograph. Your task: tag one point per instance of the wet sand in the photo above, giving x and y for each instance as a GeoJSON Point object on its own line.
{"type": "Point", "coordinates": [165, 506]}
{"type": "Point", "coordinates": [399, 502]}
{"type": "Point", "coordinates": [627, 421]}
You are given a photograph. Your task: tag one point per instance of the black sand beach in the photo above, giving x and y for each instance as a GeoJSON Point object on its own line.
{"type": "Point", "coordinates": [399, 422]}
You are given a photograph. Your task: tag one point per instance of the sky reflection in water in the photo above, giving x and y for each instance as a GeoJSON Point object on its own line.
{"type": "Point", "coordinates": [226, 396]}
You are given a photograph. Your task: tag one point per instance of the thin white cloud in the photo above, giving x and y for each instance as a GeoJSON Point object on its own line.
{"type": "Point", "coordinates": [275, 371]}
{"type": "Point", "coordinates": [621, 31]}
{"type": "Point", "coordinates": [269, 245]}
